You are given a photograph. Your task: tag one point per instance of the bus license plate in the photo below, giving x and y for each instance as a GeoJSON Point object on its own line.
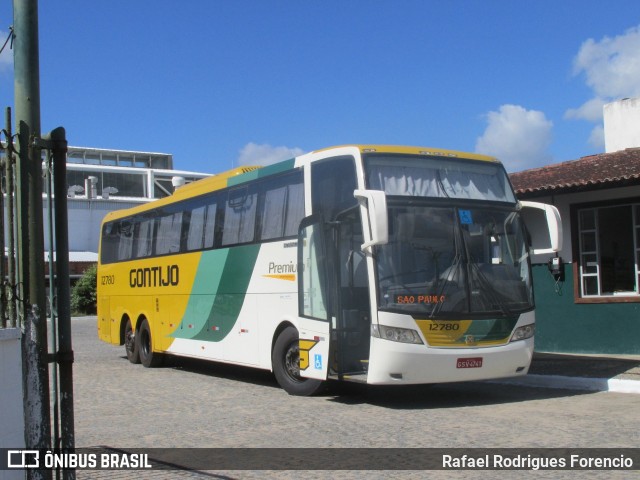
{"type": "Point", "coordinates": [469, 362]}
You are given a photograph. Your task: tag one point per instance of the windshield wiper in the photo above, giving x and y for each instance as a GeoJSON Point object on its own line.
{"type": "Point", "coordinates": [447, 281]}
{"type": "Point", "coordinates": [486, 288]}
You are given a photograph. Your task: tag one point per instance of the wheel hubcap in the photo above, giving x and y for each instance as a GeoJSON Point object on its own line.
{"type": "Point", "coordinates": [129, 340]}
{"type": "Point", "coordinates": [292, 361]}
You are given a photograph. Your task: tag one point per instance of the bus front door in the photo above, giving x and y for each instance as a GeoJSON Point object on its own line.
{"type": "Point", "coordinates": [334, 317]}
{"type": "Point", "coordinates": [313, 300]}
{"type": "Point", "coordinates": [351, 319]}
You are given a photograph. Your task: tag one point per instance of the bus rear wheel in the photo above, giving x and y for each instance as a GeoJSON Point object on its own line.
{"type": "Point", "coordinates": [130, 343]}
{"type": "Point", "coordinates": [148, 357]}
{"type": "Point", "coordinates": [285, 360]}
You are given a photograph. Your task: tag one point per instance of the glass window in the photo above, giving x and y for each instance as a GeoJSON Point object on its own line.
{"type": "Point", "coordinates": [125, 245]}
{"type": "Point", "coordinates": [240, 216]}
{"type": "Point", "coordinates": [144, 238]}
{"type": "Point", "coordinates": [282, 206]}
{"type": "Point", "coordinates": [422, 176]}
{"type": "Point", "coordinates": [273, 214]}
{"type": "Point", "coordinates": [608, 250]}
{"type": "Point", "coordinates": [202, 223]}
{"type": "Point", "coordinates": [169, 234]}
{"type": "Point", "coordinates": [332, 187]}
{"type": "Point", "coordinates": [294, 209]}
{"type": "Point", "coordinates": [195, 234]}
{"type": "Point", "coordinates": [110, 242]}
{"type": "Point", "coordinates": [312, 295]}
{"type": "Point", "coordinates": [447, 262]}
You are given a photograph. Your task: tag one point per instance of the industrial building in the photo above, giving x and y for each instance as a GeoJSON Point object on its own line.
{"type": "Point", "coordinates": [100, 181]}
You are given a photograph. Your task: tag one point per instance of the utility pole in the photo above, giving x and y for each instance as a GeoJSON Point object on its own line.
{"type": "Point", "coordinates": [31, 273]}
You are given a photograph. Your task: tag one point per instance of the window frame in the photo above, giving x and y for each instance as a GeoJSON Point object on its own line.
{"type": "Point", "coordinates": [290, 179]}
{"type": "Point", "coordinates": [578, 254]}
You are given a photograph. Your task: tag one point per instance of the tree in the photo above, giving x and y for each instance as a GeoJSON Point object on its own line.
{"type": "Point", "coordinates": [84, 292]}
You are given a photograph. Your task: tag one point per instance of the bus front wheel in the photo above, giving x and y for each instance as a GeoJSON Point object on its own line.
{"type": "Point", "coordinates": [285, 360]}
{"type": "Point", "coordinates": [130, 343]}
{"type": "Point", "coordinates": [148, 357]}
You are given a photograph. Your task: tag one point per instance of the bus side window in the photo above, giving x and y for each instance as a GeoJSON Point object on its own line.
{"type": "Point", "coordinates": [295, 207]}
{"type": "Point", "coordinates": [143, 237]}
{"type": "Point", "coordinates": [110, 242]}
{"type": "Point", "coordinates": [332, 187]}
{"type": "Point", "coordinates": [273, 213]}
{"type": "Point", "coordinates": [281, 206]}
{"type": "Point", "coordinates": [125, 243]}
{"type": "Point", "coordinates": [169, 232]}
{"type": "Point", "coordinates": [240, 216]}
{"type": "Point", "coordinates": [200, 229]}
{"type": "Point", "coordinates": [195, 233]}
{"type": "Point", "coordinates": [210, 225]}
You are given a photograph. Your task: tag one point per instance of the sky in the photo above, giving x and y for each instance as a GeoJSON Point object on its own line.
{"type": "Point", "coordinates": [220, 83]}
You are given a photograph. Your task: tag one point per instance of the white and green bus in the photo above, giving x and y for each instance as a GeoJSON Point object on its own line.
{"type": "Point", "coordinates": [374, 264]}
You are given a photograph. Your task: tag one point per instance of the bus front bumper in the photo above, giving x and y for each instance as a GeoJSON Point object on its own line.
{"type": "Point", "coordinates": [401, 363]}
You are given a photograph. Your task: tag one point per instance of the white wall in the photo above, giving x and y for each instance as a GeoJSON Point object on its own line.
{"type": "Point", "coordinates": [622, 125]}
{"type": "Point", "coordinates": [11, 408]}
{"type": "Point", "coordinates": [85, 217]}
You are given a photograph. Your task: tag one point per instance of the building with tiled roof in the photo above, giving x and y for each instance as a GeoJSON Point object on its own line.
{"type": "Point", "coordinates": [593, 304]}
{"type": "Point", "coordinates": [605, 170]}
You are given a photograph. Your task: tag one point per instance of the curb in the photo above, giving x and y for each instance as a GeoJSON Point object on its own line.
{"type": "Point", "coordinates": [617, 385]}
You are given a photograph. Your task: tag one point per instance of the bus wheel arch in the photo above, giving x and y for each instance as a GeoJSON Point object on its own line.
{"type": "Point", "coordinates": [144, 342]}
{"type": "Point", "coordinates": [284, 355]}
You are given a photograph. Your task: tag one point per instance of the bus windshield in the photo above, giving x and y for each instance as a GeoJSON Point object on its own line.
{"type": "Point", "coordinates": [454, 262]}
{"type": "Point", "coordinates": [421, 176]}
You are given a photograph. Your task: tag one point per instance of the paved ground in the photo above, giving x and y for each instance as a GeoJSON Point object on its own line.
{"type": "Point", "coordinates": [625, 367]}
{"type": "Point", "coordinates": [191, 404]}
{"type": "Point", "coordinates": [619, 373]}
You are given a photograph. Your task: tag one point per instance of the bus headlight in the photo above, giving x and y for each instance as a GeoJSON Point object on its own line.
{"type": "Point", "coordinates": [395, 334]}
{"type": "Point", "coordinates": [524, 332]}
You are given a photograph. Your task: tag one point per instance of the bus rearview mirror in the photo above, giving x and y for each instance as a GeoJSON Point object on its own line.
{"type": "Point", "coordinates": [554, 224]}
{"type": "Point", "coordinates": [375, 221]}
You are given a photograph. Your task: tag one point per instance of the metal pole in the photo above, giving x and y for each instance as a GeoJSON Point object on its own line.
{"type": "Point", "coordinates": [65, 350]}
{"type": "Point", "coordinates": [3, 269]}
{"type": "Point", "coordinates": [53, 337]}
{"type": "Point", "coordinates": [30, 230]}
{"type": "Point", "coordinates": [11, 221]}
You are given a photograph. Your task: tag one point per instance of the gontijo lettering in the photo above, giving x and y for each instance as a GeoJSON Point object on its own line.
{"type": "Point", "coordinates": [154, 276]}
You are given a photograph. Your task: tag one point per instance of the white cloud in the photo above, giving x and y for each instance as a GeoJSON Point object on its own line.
{"type": "Point", "coordinates": [520, 138]}
{"type": "Point", "coordinates": [265, 154]}
{"type": "Point", "coordinates": [591, 111]}
{"type": "Point", "coordinates": [611, 68]}
{"type": "Point", "coordinates": [596, 139]}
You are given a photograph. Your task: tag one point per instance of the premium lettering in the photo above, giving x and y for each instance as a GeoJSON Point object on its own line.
{"type": "Point", "coordinates": [282, 268]}
{"type": "Point", "coordinates": [154, 276]}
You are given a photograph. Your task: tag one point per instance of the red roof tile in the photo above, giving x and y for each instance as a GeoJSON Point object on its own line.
{"type": "Point", "coordinates": [585, 173]}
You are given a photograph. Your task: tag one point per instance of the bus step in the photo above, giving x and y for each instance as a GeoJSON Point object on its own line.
{"type": "Point", "coordinates": [365, 364]}
{"type": "Point", "coordinates": [355, 377]}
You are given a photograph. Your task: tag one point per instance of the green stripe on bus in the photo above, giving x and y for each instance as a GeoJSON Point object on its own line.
{"type": "Point", "coordinates": [219, 291]}
{"type": "Point", "coordinates": [261, 172]}
{"type": "Point", "coordinates": [491, 329]}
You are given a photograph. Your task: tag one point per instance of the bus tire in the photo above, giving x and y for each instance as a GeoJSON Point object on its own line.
{"type": "Point", "coordinates": [285, 361]}
{"type": "Point", "coordinates": [148, 357]}
{"type": "Point", "coordinates": [130, 343]}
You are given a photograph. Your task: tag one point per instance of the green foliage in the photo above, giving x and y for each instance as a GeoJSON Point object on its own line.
{"type": "Point", "coordinates": [84, 292]}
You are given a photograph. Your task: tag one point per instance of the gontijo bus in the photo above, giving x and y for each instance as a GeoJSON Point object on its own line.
{"type": "Point", "coordinates": [375, 264]}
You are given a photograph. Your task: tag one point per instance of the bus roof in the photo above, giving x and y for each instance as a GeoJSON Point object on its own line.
{"type": "Point", "coordinates": [413, 150]}
{"type": "Point", "coordinates": [243, 174]}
